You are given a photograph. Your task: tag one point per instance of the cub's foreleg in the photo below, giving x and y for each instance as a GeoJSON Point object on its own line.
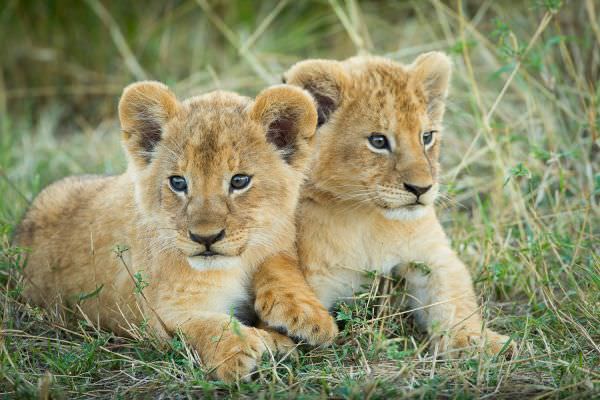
{"type": "Point", "coordinates": [445, 301]}
{"type": "Point", "coordinates": [230, 350]}
{"type": "Point", "coordinates": [284, 300]}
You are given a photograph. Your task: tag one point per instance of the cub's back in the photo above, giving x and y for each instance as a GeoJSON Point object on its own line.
{"type": "Point", "coordinates": [60, 223]}
{"type": "Point", "coordinates": [55, 208]}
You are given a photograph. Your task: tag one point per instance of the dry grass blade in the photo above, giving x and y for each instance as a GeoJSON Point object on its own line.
{"type": "Point", "coordinates": [244, 52]}
{"type": "Point", "coordinates": [128, 57]}
{"type": "Point", "coordinates": [264, 25]}
{"type": "Point", "coordinates": [543, 24]}
{"type": "Point", "coordinates": [357, 39]}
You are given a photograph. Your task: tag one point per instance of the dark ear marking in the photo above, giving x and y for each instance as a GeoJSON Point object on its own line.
{"type": "Point", "coordinates": [144, 109]}
{"type": "Point", "coordinates": [150, 139]}
{"type": "Point", "coordinates": [282, 133]}
{"type": "Point", "coordinates": [325, 80]}
{"type": "Point", "coordinates": [288, 116]}
{"type": "Point", "coordinates": [148, 133]}
{"type": "Point", "coordinates": [325, 106]}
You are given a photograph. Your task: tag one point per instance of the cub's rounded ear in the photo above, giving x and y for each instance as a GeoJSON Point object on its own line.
{"type": "Point", "coordinates": [289, 117]}
{"type": "Point", "coordinates": [144, 109]}
{"type": "Point", "coordinates": [325, 80]}
{"type": "Point", "coordinates": [432, 72]}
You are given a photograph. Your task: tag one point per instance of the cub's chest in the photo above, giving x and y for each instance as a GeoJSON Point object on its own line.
{"type": "Point", "coordinates": [383, 253]}
{"type": "Point", "coordinates": [234, 297]}
{"type": "Point", "coordinates": [224, 292]}
{"type": "Point", "coordinates": [368, 247]}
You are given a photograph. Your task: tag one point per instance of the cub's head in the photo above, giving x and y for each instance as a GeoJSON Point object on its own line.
{"type": "Point", "coordinates": [379, 129]}
{"type": "Point", "coordinates": [217, 176]}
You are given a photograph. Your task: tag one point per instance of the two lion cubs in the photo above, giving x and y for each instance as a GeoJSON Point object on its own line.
{"type": "Point", "coordinates": [214, 215]}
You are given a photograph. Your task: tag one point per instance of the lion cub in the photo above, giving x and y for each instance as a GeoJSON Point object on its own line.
{"type": "Point", "coordinates": [209, 194]}
{"type": "Point", "coordinates": [368, 204]}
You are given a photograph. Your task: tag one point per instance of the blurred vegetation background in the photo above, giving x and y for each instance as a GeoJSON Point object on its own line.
{"type": "Point", "coordinates": [521, 173]}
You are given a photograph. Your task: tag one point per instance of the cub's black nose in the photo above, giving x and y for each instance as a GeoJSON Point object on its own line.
{"type": "Point", "coordinates": [416, 190]}
{"type": "Point", "coordinates": [207, 240]}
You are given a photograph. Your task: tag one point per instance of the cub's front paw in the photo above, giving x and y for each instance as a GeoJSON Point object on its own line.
{"type": "Point", "coordinates": [278, 343]}
{"type": "Point", "coordinates": [300, 315]}
{"type": "Point", "coordinates": [495, 342]}
{"type": "Point", "coordinates": [237, 355]}
{"type": "Point", "coordinates": [463, 341]}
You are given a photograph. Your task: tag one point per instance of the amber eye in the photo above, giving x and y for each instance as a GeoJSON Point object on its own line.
{"type": "Point", "coordinates": [178, 183]}
{"type": "Point", "coordinates": [240, 181]}
{"type": "Point", "coordinates": [379, 141]}
{"type": "Point", "coordinates": [427, 138]}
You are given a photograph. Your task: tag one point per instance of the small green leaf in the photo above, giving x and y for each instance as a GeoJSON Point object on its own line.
{"type": "Point", "coordinates": [518, 171]}
{"type": "Point", "coordinates": [140, 282]}
{"type": "Point", "coordinates": [85, 296]}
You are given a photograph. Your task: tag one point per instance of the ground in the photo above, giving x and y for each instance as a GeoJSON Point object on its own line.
{"type": "Point", "coordinates": [521, 178]}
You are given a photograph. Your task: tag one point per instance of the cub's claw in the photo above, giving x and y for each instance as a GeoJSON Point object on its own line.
{"type": "Point", "coordinates": [463, 340]}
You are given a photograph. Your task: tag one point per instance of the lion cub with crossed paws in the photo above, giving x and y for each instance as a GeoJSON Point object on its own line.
{"type": "Point", "coordinates": [209, 194]}
{"type": "Point", "coordinates": [368, 204]}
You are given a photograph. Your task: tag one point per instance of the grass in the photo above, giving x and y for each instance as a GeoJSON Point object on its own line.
{"type": "Point", "coordinates": [522, 184]}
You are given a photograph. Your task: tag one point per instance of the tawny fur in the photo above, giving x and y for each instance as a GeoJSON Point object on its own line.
{"type": "Point", "coordinates": [355, 214]}
{"type": "Point", "coordinates": [74, 226]}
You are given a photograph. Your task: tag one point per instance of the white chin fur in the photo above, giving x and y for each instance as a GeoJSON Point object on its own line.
{"type": "Point", "coordinates": [405, 213]}
{"type": "Point", "coordinates": [214, 263]}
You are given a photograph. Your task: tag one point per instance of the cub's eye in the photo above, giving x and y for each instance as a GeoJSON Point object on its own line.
{"type": "Point", "coordinates": [178, 183]}
{"type": "Point", "coordinates": [240, 181]}
{"type": "Point", "coordinates": [379, 141]}
{"type": "Point", "coordinates": [427, 138]}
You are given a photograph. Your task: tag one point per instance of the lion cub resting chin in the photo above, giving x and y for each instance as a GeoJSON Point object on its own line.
{"type": "Point", "coordinates": [368, 204]}
{"type": "Point", "coordinates": [209, 194]}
